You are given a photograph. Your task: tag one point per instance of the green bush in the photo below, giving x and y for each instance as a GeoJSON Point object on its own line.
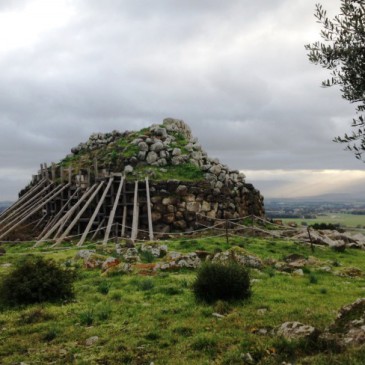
{"type": "Point", "coordinates": [104, 287]}
{"type": "Point", "coordinates": [222, 282]}
{"type": "Point", "coordinates": [36, 280]}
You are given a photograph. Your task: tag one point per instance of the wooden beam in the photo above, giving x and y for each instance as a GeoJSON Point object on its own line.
{"type": "Point", "coordinates": [72, 211]}
{"type": "Point", "coordinates": [23, 198]}
{"type": "Point", "coordinates": [96, 211]}
{"type": "Point", "coordinates": [112, 213]}
{"type": "Point", "coordinates": [23, 211]}
{"type": "Point", "coordinates": [28, 203]}
{"type": "Point", "coordinates": [149, 212]}
{"type": "Point", "coordinates": [134, 233]}
{"type": "Point", "coordinates": [57, 217]}
{"type": "Point", "coordinates": [35, 210]}
{"type": "Point", "coordinates": [80, 213]}
{"type": "Point", "coordinates": [64, 218]}
{"type": "Point", "coordinates": [98, 229]}
{"type": "Point", "coordinates": [53, 171]}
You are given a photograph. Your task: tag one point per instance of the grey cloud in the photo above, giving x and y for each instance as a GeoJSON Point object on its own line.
{"type": "Point", "coordinates": [236, 71]}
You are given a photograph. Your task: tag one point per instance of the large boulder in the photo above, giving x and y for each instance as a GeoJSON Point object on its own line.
{"type": "Point", "coordinates": [297, 331]}
{"type": "Point", "coordinates": [238, 255]}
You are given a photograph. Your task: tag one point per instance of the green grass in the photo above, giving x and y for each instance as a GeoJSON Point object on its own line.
{"type": "Point", "coordinates": [140, 319]}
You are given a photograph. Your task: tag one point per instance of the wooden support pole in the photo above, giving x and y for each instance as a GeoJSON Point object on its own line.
{"type": "Point", "coordinates": [42, 171]}
{"type": "Point", "coordinates": [72, 211]}
{"type": "Point", "coordinates": [134, 233]}
{"type": "Point", "coordinates": [57, 217]}
{"type": "Point", "coordinates": [35, 210]}
{"type": "Point", "coordinates": [70, 175]}
{"type": "Point", "coordinates": [46, 171]}
{"type": "Point", "coordinates": [98, 229]}
{"type": "Point", "coordinates": [112, 213]}
{"type": "Point", "coordinates": [61, 173]}
{"type": "Point", "coordinates": [23, 198]}
{"type": "Point", "coordinates": [96, 172]}
{"type": "Point", "coordinates": [24, 210]}
{"type": "Point", "coordinates": [97, 209]}
{"type": "Point", "coordinates": [80, 213]}
{"type": "Point", "coordinates": [149, 212]}
{"type": "Point", "coordinates": [124, 220]}
{"type": "Point", "coordinates": [53, 171]}
{"type": "Point", "coordinates": [64, 219]}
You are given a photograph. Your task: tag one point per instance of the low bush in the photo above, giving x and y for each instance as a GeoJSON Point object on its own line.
{"type": "Point", "coordinates": [222, 282]}
{"type": "Point", "coordinates": [36, 280]}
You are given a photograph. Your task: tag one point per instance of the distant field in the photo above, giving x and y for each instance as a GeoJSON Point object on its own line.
{"type": "Point", "coordinates": [348, 220]}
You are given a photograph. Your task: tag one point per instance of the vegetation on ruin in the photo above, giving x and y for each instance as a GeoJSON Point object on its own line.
{"type": "Point", "coordinates": [142, 319]}
{"type": "Point", "coordinates": [112, 157]}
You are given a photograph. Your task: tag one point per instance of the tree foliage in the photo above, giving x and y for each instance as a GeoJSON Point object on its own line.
{"type": "Point", "coordinates": [343, 53]}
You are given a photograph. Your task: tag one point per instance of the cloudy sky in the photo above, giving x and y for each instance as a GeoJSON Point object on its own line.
{"type": "Point", "coordinates": [235, 70]}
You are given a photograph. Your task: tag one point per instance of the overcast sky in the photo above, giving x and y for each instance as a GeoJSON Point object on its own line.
{"type": "Point", "coordinates": [235, 70]}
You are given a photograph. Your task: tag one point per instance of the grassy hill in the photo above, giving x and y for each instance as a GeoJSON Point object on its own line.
{"type": "Point", "coordinates": [142, 319]}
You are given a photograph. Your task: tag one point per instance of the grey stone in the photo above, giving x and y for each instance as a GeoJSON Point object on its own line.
{"type": "Point", "coordinates": [152, 157]}
{"type": "Point", "coordinates": [143, 146]}
{"type": "Point", "coordinates": [296, 331]}
{"type": "Point", "coordinates": [176, 152]}
{"type": "Point", "coordinates": [216, 169]}
{"type": "Point", "coordinates": [91, 341]}
{"type": "Point", "coordinates": [128, 169]}
{"type": "Point", "coordinates": [142, 155]}
{"type": "Point", "coordinates": [157, 147]}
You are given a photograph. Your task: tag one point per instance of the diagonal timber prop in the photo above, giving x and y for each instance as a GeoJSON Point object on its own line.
{"type": "Point", "coordinates": [97, 209]}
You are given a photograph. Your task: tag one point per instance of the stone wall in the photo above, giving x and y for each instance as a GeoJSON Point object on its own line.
{"type": "Point", "coordinates": [177, 206]}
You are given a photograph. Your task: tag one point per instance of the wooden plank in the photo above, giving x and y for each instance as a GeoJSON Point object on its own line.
{"type": "Point", "coordinates": [80, 213]}
{"type": "Point", "coordinates": [112, 213]}
{"type": "Point", "coordinates": [28, 203]}
{"type": "Point", "coordinates": [64, 218]}
{"type": "Point", "coordinates": [134, 233]}
{"type": "Point", "coordinates": [23, 211]}
{"type": "Point", "coordinates": [97, 209]}
{"type": "Point", "coordinates": [149, 212]}
{"type": "Point", "coordinates": [124, 220]}
{"type": "Point", "coordinates": [23, 198]}
{"type": "Point", "coordinates": [53, 171]}
{"type": "Point", "coordinates": [72, 211]}
{"type": "Point", "coordinates": [35, 210]}
{"type": "Point", "coordinates": [57, 217]}
{"type": "Point", "coordinates": [98, 229]}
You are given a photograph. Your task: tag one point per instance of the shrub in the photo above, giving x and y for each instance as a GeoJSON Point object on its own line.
{"type": "Point", "coordinates": [104, 287]}
{"type": "Point", "coordinates": [313, 279]}
{"type": "Point", "coordinates": [36, 280]}
{"type": "Point", "coordinates": [225, 282]}
{"type": "Point", "coordinates": [86, 318]}
{"type": "Point", "coordinates": [145, 285]}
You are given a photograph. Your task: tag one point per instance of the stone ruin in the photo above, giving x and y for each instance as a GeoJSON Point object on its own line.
{"type": "Point", "coordinates": [133, 184]}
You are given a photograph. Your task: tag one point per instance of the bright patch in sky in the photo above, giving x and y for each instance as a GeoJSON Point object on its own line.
{"type": "Point", "coordinates": [301, 183]}
{"type": "Point", "coordinates": [22, 28]}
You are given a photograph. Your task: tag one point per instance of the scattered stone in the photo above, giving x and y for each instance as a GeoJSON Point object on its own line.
{"type": "Point", "coordinates": [91, 341]}
{"type": "Point", "coordinates": [217, 315]}
{"type": "Point", "coordinates": [351, 272]}
{"type": "Point", "coordinates": [110, 262]}
{"type": "Point", "coordinates": [155, 249]}
{"type": "Point", "coordinates": [94, 261]}
{"type": "Point", "coordinates": [128, 169]}
{"type": "Point", "coordinates": [298, 272]}
{"type": "Point", "coordinates": [297, 331]}
{"type": "Point", "coordinates": [238, 255]}
{"type": "Point", "coordinates": [131, 256]}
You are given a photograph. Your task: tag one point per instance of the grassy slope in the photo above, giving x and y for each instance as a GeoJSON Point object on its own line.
{"type": "Point", "coordinates": [145, 319]}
